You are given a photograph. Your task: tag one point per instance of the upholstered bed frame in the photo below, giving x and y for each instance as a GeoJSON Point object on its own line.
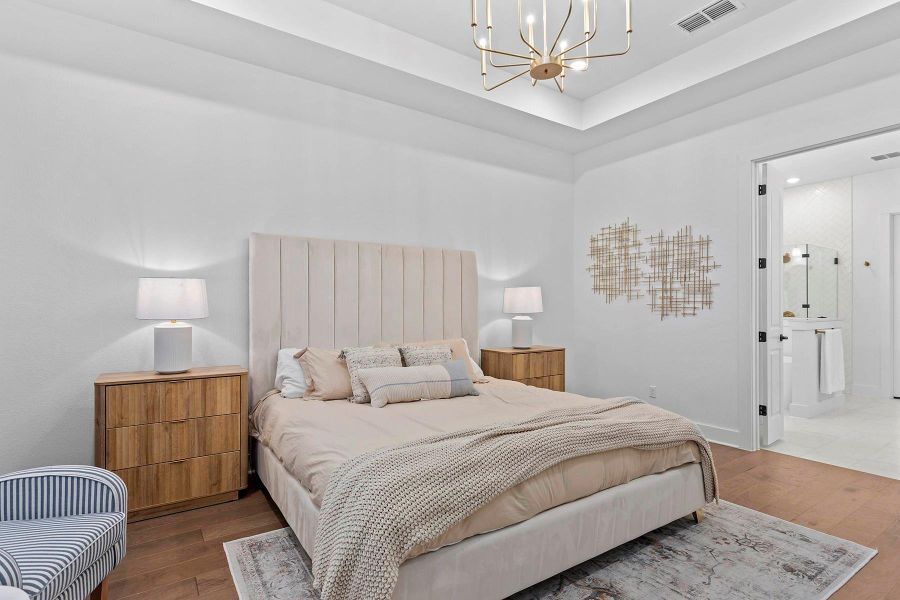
{"type": "Point", "coordinates": [333, 294]}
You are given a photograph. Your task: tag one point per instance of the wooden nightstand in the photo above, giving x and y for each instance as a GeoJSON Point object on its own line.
{"type": "Point", "coordinates": [178, 441]}
{"type": "Point", "coordinates": [540, 366]}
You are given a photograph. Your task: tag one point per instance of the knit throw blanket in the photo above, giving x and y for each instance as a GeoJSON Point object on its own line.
{"type": "Point", "coordinates": [380, 505]}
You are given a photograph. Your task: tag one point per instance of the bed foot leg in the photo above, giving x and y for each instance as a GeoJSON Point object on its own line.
{"type": "Point", "coordinates": [697, 515]}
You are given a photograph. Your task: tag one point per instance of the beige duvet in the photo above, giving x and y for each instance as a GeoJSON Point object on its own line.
{"type": "Point", "coordinates": [312, 437]}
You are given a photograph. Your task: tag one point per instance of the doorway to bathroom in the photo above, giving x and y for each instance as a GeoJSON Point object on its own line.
{"type": "Point", "coordinates": [829, 362]}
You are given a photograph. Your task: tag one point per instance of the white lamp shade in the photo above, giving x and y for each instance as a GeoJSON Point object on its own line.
{"type": "Point", "coordinates": [522, 300]}
{"type": "Point", "coordinates": [171, 299]}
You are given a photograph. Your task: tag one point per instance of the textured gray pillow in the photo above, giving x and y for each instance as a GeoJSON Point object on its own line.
{"type": "Point", "coordinates": [422, 356]}
{"type": "Point", "coordinates": [367, 357]}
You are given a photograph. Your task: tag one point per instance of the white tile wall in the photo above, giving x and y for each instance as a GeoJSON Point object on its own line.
{"type": "Point", "coordinates": [822, 214]}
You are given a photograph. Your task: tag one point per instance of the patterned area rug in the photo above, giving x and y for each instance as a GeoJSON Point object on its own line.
{"type": "Point", "coordinates": [736, 553]}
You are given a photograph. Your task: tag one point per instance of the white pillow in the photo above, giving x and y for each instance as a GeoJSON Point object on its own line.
{"type": "Point", "coordinates": [289, 376]}
{"type": "Point", "coordinates": [476, 368]}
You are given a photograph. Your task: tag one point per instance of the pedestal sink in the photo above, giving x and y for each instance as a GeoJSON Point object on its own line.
{"type": "Point", "coordinates": [801, 368]}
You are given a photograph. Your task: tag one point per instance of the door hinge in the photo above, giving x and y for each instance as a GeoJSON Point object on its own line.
{"type": "Point", "coordinates": [805, 255]}
{"type": "Point", "coordinates": [763, 410]}
{"type": "Point", "coordinates": [762, 190]}
{"type": "Point", "coordinates": [804, 306]}
{"type": "Point", "coordinates": [762, 336]}
{"type": "Point", "coordinates": [762, 263]}
{"type": "Point", "coordinates": [835, 260]}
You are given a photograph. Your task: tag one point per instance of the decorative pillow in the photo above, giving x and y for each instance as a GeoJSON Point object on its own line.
{"type": "Point", "coordinates": [460, 351]}
{"type": "Point", "coordinates": [473, 367]}
{"type": "Point", "coordinates": [368, 357]}
{"type": "Point", "coordinates": [388, 385]}
{"type": "Point", "coordinates": [327, 377]}
{"type": "Point", "coordinates": [420, 356]}
{"type": "Point", "coordinates": [289, 377]}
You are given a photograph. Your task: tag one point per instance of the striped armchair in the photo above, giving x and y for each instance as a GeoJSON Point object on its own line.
{"type": "Point", "coordinates": [62, 531]}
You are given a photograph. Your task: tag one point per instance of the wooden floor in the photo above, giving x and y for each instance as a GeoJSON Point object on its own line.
{"type": "Point", "coordinates": [181, 556]}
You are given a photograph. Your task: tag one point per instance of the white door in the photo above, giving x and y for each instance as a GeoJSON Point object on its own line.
{"type": "Point", "coordinates": [771, 354]}
{"type": "Point", "coordinates": [895, 300]}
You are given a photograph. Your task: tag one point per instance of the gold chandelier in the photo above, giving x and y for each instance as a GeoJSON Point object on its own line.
{"type": "Point", "coordinates": [556, 58]}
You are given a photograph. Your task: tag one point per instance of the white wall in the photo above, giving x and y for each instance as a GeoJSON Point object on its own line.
{"type": "Point", "coordinates": [822, 214]}
{"type": "Point", "coordinates": [108, 176]}
{"type": "Point", "coordinates": [701, 365]}
{"type": "Point", "coordinates": [122, 155]}
{"type": "Point", "coordinates": [875, 196]}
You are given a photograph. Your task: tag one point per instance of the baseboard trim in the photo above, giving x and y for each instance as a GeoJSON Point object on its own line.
{"type": "Point", "coordinates": [721, 435]}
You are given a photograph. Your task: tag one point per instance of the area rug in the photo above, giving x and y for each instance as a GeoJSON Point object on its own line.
{"type": "Point", "coordinates": [736, 553]}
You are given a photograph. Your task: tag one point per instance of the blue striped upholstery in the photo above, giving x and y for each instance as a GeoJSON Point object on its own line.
{"type": "Point", "coordinates": [60, 491]}
{"type": "Point", "coordinates": [62, 530]}
{"type": "Point", "coordinates": [94, 574]}
{"type": "Point", "coordinates": [9, 570]}
{"type": "Point", "coordinates": [53, 553]}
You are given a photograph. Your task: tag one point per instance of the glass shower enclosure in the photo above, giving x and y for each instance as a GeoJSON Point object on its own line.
{"type": "Point", "coordinates": [810, 281]}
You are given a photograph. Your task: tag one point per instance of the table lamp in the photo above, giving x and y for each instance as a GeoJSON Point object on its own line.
{"type": "Point", "coordinates": [171, 299]}
{"type": "Point", "coordinates": [522, 301]}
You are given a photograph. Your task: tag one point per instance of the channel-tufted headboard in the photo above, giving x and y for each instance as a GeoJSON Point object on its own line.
{"type": "Point", "coordinates": [333, 294]}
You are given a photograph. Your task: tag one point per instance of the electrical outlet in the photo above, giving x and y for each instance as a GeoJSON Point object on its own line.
{"type": "Point", "coordinates": [653, 391]}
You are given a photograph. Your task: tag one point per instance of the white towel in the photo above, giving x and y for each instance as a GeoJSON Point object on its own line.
{"type": "Point", "coordinates": [831, 361]}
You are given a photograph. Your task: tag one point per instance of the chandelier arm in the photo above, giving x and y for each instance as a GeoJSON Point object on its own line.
{"type": "Point", "coordinates": [620, 53]}
{"type": "Point", "coordinates": [522, 34]}
{"type": "Point", "coordinates": [558, 86]}
{"type": "Point", "coordinates": [561, 29]}
{"type": "Point", "coordinates": [499, 66]}
{"type": "Point", "coordinates": [492, 51]}
{"type": "Point", "coordinates": [588, 38]}
{"type": "Point", "coordinates": [491, 56]}
{"type": "Point", "coordinates": [495, 86]}
{"type": "Point", "coordinates": [628, 30]}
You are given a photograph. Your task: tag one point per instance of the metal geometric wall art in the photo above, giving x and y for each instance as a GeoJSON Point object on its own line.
{"type": "Point", "coordinates": [678, 280]}
{"type": "Point", "coordinates": [615, 262]}
{"type": "Point", "coordinates": [676, 269]}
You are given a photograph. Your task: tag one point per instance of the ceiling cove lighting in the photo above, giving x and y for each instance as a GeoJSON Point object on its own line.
{"type": "Point", "coordinates": [793, 180]}
{"type": "Point", "coordinates": [552, 57]}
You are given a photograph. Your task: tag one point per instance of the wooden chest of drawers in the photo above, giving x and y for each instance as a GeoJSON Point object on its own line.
{"type": "Point", "coordinates": [540, 366]}
{"type": "Point", "coordinates": [178, 441]}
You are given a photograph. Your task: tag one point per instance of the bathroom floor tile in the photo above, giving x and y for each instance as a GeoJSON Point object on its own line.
{"type": "Point", "coordinates": [809, 439]}
{"type": "Point", "coordinates": [890, 453]}
{"type": "Point", "coordinates": [787, 447]}
{"type": "Point", "coordinates": [877, 467]}
{"type": "Point", "coordinates": [837, 460]}
{"type": "Point", "coordinates": [864, 435]}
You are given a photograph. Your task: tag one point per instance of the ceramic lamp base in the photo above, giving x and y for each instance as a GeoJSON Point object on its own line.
{"type": "Point", "coordinates": [172, 347]}
{"type": "Point", "coordinates": [522, 327]}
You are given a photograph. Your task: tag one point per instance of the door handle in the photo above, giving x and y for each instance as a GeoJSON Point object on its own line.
{"type": "Point", "coordinates": [782, 337]}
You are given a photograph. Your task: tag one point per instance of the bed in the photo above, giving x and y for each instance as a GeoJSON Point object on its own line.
{"type": "Point", "coordinates": [332, 294]}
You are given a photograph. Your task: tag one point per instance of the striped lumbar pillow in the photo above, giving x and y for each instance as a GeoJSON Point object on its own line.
{"type": "Point", "coordinates": [387, 385]}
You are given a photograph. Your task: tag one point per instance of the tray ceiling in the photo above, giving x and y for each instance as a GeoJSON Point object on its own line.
{"type": "Point", "coordinates": [418, 55]}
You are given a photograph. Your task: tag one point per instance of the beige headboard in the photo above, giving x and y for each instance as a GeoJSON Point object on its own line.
{"type": "Point", "coordinates": [333, 294]}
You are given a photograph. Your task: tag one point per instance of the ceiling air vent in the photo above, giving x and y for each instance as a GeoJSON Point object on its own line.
{"type": "Point", "coordinates": [693, 22]}
{"type": "Point", "coordinates": [717, 10]}
{"type": "Point", "coordinates": [881, 157]}
{"type": "Point", "coordinates": [705, 16]}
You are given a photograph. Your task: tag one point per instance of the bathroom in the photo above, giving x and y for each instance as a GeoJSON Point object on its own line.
{"type": "Point", "coordinates": [841, 245]}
